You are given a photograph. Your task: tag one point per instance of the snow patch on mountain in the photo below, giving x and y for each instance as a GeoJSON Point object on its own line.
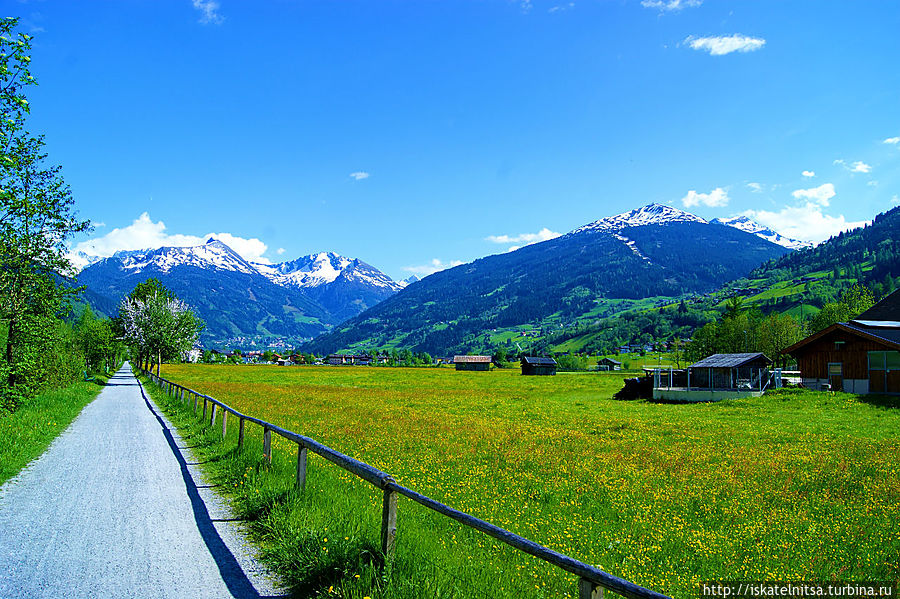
{"type": "Point", "coordinates": [651, 214]}
{"type": "Point", "coordinates": [749, 226]}
{"type": "Point", "coordinates": [213, 254]}
{"type": "Point", "coordinates": [633, 247]}
{"type": "Point", "coordinates": [324, 268]}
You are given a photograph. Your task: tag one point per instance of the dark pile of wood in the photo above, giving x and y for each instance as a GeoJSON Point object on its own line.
{"type": "Point", "coordinates": [636, 388]}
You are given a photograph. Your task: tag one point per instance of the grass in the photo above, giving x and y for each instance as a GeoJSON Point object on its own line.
{"type": "Point", "coordinates": [26, 433]}
{"type": "Point", "coordinates": [795, 485]}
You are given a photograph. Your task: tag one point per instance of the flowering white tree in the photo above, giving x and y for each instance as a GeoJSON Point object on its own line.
{"type": "Point", "coordinates": [159, 326]}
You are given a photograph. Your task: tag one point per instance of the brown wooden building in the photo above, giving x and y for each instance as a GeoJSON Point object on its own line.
{"type": "Point", "coordinates": [538, 366]}
{"type": "Point", "coordinates": [472, 362]}
{"type": "Point", "coordinates": [860, 356]}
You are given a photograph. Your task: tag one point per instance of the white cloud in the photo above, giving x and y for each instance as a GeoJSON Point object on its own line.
{"type": "Point", "coordinates": [523, 238]}
{"type": "Point", "coordinates": [432, 267]}
{"type": "Point", "coordinates": [360, 175]}
{"type": "Point", "coordinates": [143, 234]}
{"type": "Point", "coordinates": [717, 198]}
{"type": "Point", "coordinates": [725, 44]}
{"type": "Point", "coordinates": [670, 5]}
{"type": "Point", "coordinates": [755, 187]}
{"type": "Point", "coordinates": [892, 140]}
{"type": "Point", "coordinates": [806, 222]}
{"type": "Point", "coordinates": [280, 251]}
{"type": "Point", "coordinates": [209, 12]}
{"type": "Point", "coordinates": [809, 174]}
{"type": "Point", "coordinates": [820, 195]}
{"type": "Point", "coordinates": [857, 167]}
{"type": "Point", "coordinates": [561, 7]}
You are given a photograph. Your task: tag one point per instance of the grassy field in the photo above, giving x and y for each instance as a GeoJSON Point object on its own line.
{"type": "Point", "coordinates": [791, 486]}
{"type": "Point", "coordinates": [27, 432]}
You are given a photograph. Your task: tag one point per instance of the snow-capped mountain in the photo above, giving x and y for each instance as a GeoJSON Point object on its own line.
{"type": "Point", "coordinates": [654, 251]}
{"type": "Point", "coordinates": [659, 214]}
{"type": "Point", "coordinates": [213, 255]}
{"type": "Point", "coordinates": [299, 298]}
{"type": "Point", "coordinates": [651, 214]}
{"type": "Point", "coordinates": [745, 224]}
{"type": "Point", "coordinates": [324, 268]}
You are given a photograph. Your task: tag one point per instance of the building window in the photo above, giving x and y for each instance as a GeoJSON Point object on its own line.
{"type": "Point", "coordinates": [892, 360]}
{"type": "Point", "coordinates": [835, 369]}
{"type": "Point", "coordinates": [839, 345]}
{"type": "Point", "coordinates": [877, 360]}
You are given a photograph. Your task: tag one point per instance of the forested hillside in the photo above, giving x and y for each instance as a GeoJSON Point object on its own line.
{"type": "Point", "coordinates": [568, 276]}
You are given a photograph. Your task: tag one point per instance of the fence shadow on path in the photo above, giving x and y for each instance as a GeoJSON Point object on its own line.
{"type": "Point", "coordinates": [233, 575]}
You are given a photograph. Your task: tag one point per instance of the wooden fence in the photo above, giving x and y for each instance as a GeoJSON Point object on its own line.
{"type": "Point", "coordinates": [591, 583]}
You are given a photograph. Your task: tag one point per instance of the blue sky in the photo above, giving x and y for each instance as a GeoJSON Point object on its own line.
{"type": "Point", "coordinates": [415, 135]}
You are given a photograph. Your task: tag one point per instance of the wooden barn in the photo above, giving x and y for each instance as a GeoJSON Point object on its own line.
{"type": "Point", "coordinates": [538, 366]}
{"type": "Point", "coordinates": [609, 364]}
{"type": "Point", "coordinates": [861, 356]}
{"type": "Point", "coordinates": [472, 362]}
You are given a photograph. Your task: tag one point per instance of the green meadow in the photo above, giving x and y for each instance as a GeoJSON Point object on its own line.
{"type": "Point", "coordinates": [794, 485]}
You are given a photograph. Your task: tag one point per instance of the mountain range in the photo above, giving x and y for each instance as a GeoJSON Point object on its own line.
{"type": "Point", "coordinates": [339, 302]}
{"type": "Point", "coordinates": [652, 252]}
{"type": "Point", "coordinates": [242, 300]}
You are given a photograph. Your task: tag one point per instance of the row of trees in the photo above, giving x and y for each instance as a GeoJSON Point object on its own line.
{"type": "Point", "coordinates": [37, 217]}
{"type": "Point", "coordinates": [743, 330]}
{"type": "Point", "coordinates": [42, 343]}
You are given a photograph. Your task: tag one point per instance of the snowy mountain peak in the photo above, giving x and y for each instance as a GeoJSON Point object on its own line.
{"type": "Point", "coordinates": [749, 226]}
{"type": "Point", "coordinates": [324, 268]}
{"type": "Point", "coordinates": [651, 214]}
{"type": "Point", "coordinates": [213, 254]}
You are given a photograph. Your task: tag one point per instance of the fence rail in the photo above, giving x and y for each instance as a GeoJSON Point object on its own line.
{"type": "Point", "coordinates": [592, 581]}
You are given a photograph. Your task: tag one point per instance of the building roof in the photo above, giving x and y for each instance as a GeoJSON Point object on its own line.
{"type": "Point", "coordinates": [471, 359]}
{"type": "Point", "coordinates": [608, 361]}
{"type": "Point", "coordinates": [535, 361]}
{"type": "Point", "coordinates": [886, 309]}
{"type": "Point", "coordinates": [729, 360]}
{"type": "Point", "coordinates": [888, 335]}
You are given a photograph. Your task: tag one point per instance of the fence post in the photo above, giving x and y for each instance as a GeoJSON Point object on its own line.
{"type": "Point", "coordinates": [212, 419]}
{"type": "Point", "coordinates": [224, 422]}
{"type": "Point", "coordinates": [388, 523]}
{"type": "Point", "coordinates": [301, 466]}
{"type": "Point", "coordinates": [241, 434]}
{"type": "Point", "coordinates": [267, 444]}
{"type": "Point", "coordinates": [588, 590]}
{"type": "Point", "coordinates": [196, 397]}
{"type": "Point", "coordinates": [204, 409]}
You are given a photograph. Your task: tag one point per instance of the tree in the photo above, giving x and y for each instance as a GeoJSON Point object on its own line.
{"type": "Point", "coordinates": [36, 219]}
{"type": "Point", "coordinates": [98, 342]}
{"type": "Point", "coordinates": [854, 301]}
{"type": "Point", "coordinates": [158, 326]}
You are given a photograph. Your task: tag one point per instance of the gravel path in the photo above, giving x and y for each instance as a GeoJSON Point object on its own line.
{"type": "Point", "coordinates": [115, 508]}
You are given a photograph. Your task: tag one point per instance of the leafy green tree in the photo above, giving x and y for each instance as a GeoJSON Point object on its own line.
{"type": "Point", "coordinates": [98, 342]}
{"type": "Point", "coordinates": [36, 219]}
{"type": "Point", "coordinates": [854, 301]}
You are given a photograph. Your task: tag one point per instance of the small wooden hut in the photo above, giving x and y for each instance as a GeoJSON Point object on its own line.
{"type": "Point", "coordinates": [609, 364]}
{"type": "Point", "coordinates": [532, 365]}
{"type": "Point", "coordinates": [481, 363]}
